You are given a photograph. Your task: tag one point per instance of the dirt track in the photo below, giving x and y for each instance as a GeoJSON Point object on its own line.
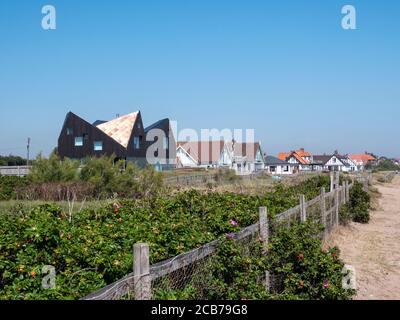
{"type": "Point", "coordinates": [374, 248]}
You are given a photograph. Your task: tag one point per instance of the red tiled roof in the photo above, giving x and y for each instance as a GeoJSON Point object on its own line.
{"type": "Point", "coordinates": [302, 153]}
{"type": "Point", "coordinates": [283, 155]}
{"type": "Point", "coordinates": [296, 154]}
{"type": "Point", "coordinates": [361, 158]}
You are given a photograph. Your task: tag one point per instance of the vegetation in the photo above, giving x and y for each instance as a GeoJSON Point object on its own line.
{"type": "Point", "coordinates": [9, 187]}
{"type": "Point", "coordinates": [357, 209]}
{"type": "Point", "coordinates": [100, 178]}
{"type": "Point", "coordinates": [384, 165]}
{"type": "Point", "coordinates": [93, 247]}
{"type": "Point", "coordinates": [300, 270]}
{"type": "Point", "coordinates": [12, 161]}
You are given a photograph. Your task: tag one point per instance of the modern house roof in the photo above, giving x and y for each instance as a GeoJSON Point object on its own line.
{"type": "Point", "coordinates": [120, 129]}
{"type": "Point", "coordinates": [155, 125]}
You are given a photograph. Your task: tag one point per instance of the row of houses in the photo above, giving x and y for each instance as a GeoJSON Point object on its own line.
{"type": "Point", "coordinates": [301, 160]}
{"type": "Point", "coordinates": [126, 138]}
{"type": "Point", "coordinates": [247, 158]}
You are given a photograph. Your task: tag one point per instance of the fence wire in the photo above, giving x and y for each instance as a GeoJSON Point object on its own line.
{"type": "Point", "coordinates": [196, 280]}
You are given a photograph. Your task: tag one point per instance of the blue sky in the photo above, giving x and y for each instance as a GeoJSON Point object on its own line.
{"type": "Point", "coordinates": [285, 68]}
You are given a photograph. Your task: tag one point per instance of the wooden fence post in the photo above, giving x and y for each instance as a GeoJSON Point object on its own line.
{"type": "Point", "coordinates": [343, 195]}
{"type": "Point", "coordinates": [337, 205]}
{"type": "Point", "coordinates": [141, 271]}
{"type": "Point", "coordinates": [323, 209]}
{"type": "Point", "coordinates": [264, 235]}
{"type": "Point", "coordinates": [347, 192]}
{"type": "Point", "coordinates": [303, 210]}
{"type": "Point", "coordinates": [264, 226]}
{"type": "Point", "coordinates": [332, 181]}
{"type": "Point", "coordinates": [337, 180]}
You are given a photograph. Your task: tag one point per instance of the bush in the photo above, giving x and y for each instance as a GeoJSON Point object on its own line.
{"type": "Point", "coordinates": [225, 175]}
{"type": "Point", "coordinates": [12, 161]}
{"type": "Point", "coordinates": [299, 269]}
{"type": "Point", "coordinates": [304, 269]}
{"type": "Point", "coordinates": [357, 209]}
{"type": "Point", "coordinates": [9, 186]}
{"type": "Point", "coordinates": [54, 179]}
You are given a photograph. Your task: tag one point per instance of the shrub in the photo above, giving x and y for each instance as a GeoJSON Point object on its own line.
{"type": "Point", "coordinates": [357, 209]}
{"type": "Point", "coordinates": [305, 270]}
{"type": "Point", "coordinates": [225, 175]}
{"type": "Point", "coordinates": [10, 185]}
{"type": "Point", "coordinates": [53, 169]}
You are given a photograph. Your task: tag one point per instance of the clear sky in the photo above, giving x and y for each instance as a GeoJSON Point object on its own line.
{"type": "Point", "coordinates": [285, 68]}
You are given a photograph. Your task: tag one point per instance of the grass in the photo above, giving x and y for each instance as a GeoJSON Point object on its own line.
{"type": "Point", "coordinates": [15, 206]}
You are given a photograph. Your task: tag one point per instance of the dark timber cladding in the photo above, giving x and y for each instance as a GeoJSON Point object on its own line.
{"type": "Point", "coordinates": [169, 146]}
{"type": "Point", "coordinates": [80, 139]}
{"type": "Point", "coordinates": [123, 137]}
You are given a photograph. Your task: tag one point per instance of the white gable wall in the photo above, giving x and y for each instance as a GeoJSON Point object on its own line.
{"type": "Point", "coordinates": [186, 160]}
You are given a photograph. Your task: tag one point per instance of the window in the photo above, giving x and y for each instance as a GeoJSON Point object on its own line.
{"type": "Point", "coordinates": [286, 168]}
{"type": "Point", "coordinates": [165, 143]}
{"type": "Point", "coordinates": [78, 141]}
{"type": "Point", "coordinates": [272, 168]}
{"type": "Point", "coordinates": [98, 146]}
{"type": "Point", "coordinates": [139, 125]}
{"type": "Point", "coordinates": [136, 142]}
{"type": "Point", "coordinates": [70, 131]}
{"type": "Point", "coordinates": [334, 160]}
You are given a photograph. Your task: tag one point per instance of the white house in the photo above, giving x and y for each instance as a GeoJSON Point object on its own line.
{"type": "Point", "coordinates": [333, 162]}
{"type": "Point", "coordinates": [300, 159]}
{"type": "Point", "coordinates": [275, 166]}
{"type": "Point", "coordinates": [244, 158]}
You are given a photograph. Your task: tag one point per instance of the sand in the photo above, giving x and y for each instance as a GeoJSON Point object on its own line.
{"type": "Point", "coordinates": [373, 249]}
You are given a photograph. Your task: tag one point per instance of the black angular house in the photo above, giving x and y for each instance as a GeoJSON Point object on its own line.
{"type": "Point", "coordinates": [124, 137]}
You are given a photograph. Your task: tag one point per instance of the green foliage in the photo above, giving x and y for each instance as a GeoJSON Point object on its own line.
{"type": "Point", "coordinates": [384, 165]}
{"type": "Point", "coordinates": [12, 161]}
{"type": "Point", "coordinates": [9, 185]}
{"type": "Point", "coordinates": [98, 178]}
{"type": "Point", "coordinates": [306, 271]}
{"type": "Point", "coordinates": [299, 269]}
{"type": "Point", "coordinates": [93, 247]}
{"type": "Point", "coordinates": [53, 170]}
{"type": "Point", "coordinates": [236, 273]}
{"type": "Point", "coordinates": [225, 175]}
{"type": "Point", "coordinates": [357, 209]}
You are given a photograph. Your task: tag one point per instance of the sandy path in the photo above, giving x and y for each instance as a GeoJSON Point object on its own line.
{"type": "Point", "coordinates": [374, 248]}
